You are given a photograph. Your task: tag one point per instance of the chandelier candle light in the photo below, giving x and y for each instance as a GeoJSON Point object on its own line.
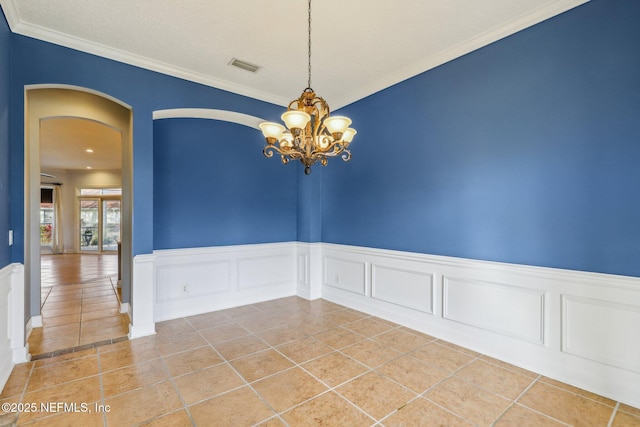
{"type": "Point", "coordinates": [311, 134]}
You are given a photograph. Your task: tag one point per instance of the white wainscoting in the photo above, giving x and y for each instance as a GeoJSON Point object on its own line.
{"type": "Point", "coordinates": [12, 325]}
{"type": "Point", "coordinates": [198, 280]}
{"type": "Point", "coordinates": [578, 327]}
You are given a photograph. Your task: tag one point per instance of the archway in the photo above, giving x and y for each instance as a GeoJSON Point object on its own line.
{"type": "Point", "coordinates": [43, 102]}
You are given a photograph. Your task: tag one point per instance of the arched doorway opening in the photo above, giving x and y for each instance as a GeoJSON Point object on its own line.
{"type": "Point", "coordinates": [42, 104]}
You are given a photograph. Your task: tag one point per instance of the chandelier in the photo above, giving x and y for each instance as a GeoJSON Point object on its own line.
{"type": "Point", "coordinates": [311, 133]}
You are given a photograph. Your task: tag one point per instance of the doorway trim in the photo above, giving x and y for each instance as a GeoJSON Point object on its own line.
{"type": "Point", "coordinates": [56, 100]}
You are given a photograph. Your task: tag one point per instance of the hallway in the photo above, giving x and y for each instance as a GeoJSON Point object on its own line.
{"type": "Point", "coordinates": [80, 304]}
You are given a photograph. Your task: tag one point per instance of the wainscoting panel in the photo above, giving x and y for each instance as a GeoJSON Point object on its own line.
{"type": "Point", "coordinates": [13, 348]}
{"type": "Point", "coordinates": [496, 307]}
{"type": "Point", "coordinates": [602, 331]}
{"type": "Point", "coordinates": [199, 280]}
{"type": "Point", "coordinates": [580, 328]}
{"type": "Point", "coordinates": [407, 288]}
{"type": "Point", "coordinates": [345, 274]}
{"type": "Point", "coordinates": [256, 272]}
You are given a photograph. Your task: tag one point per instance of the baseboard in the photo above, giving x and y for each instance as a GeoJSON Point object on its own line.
{"type": "Point", "coordinates": [36, 321]}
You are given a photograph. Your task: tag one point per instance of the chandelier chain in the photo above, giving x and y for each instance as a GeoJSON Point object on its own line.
{"type": "Point", "coordinates": [309, 44]}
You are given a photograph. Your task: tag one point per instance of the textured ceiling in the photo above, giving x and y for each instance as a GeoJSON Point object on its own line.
{"type": "Point", "coordinates": [358, 46]}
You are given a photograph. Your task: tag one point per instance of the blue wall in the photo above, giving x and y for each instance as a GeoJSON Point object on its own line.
{"type": "Point", "coordinates": [526, 151]}
{"type": "Point", "coordinates": [37, 62]}
{"type": "Point", "coordinates": [5, 81]}
{"type": "Point", "coordinates": [212, 186]}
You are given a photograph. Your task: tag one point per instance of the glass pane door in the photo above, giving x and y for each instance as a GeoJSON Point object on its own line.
{"type": "Point", "coordinates": [89, 220]}
{"type": "Point", "coordinates": [110, 224]}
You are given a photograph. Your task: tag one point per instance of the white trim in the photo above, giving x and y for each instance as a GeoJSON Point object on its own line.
{"type": "Point", "coordinates": [142, 296]}
{"type": "Point", "coordinates": [36, 321]}
{"type": "Point", "coordinates": [78, 89]}
{"type": "Point", "coordinates": [77, 43]}
{"type": "Point", "coordinates": [207, 113]}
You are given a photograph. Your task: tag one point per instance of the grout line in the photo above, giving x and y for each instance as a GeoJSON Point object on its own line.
{"type": "Point", "coordinates": [613, 414]}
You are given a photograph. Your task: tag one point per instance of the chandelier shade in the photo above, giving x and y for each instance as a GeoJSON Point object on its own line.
{"type": "Point", "coordinates": [311, 134]}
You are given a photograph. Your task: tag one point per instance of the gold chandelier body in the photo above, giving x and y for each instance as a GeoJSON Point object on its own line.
{"type": "Point", "coordinates": [311, 135]}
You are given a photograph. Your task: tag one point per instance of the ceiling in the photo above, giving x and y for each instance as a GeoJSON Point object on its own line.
{"type": "Point", "coordinates": [64, 142]}
{"type": "Point", "coordinates": [359, 47]}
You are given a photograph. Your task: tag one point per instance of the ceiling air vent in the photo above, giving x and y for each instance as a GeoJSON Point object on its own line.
{"type": "Point", "coordinates": [244, 65]}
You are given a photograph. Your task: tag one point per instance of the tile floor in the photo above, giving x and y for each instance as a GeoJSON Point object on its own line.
{"type": "Point", "coordinates": [293, 362]}
{"type": "Point", "coordinates": [80, 303]}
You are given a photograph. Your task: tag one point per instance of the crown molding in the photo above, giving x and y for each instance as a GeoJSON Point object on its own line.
{"type": "Point", "coordinates": [83, 45]}
{"type": "Point", "coordinates": [468, 46]}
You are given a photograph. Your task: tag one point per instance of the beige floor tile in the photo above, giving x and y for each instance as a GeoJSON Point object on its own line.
{"type": "Point", "coordinates": [261, 322]}
{"type": "Point", "coordinates": [624, 419]}
{"type": "Point", "coordinates": [371, 353]}
{"type": "Point", "coordinates": [192, 360]}
{"type": "Point", "coordinates": [341, 317]}
{"type": "Point", "coordinates": [468, 401]}
{"type": "Point", "coordinates": [100, 314]}
{"type": "Point", "coordinates": [369, 326]}
{"type": "Point", "coordinates": [208, 320]}
{"type": "Point", "coordinates": [126, 356]}
{"type": "Point", "coordinates": [51, 375]}
{"type": "Point", "coordinates": [422, 412]}
{"type": "Point", "coordinates": [84, 391]}
{"type": "Point", "coordinates": [143, 404]}
{"type": "Point", "coordinates": [207, 383]}
{"type": "Point", "coordinates": [629, 409]}
{"type": "Point", "coordinates": [495, 379]}
{"type": "Point", "coordinates": [261, 364]}
{"type": "Point", "coordinates": [179, 343]}
{"type": "Point", "coordinates": [413, 373]}
{"type": "Point", "coordinates": [375, 394]}
{"type": "Point", "coordinates": [328, 409]}
{"type": "Point", "coordinates": [564, 405]}
{"type": "Point", "coordinates": [401, 340]}
{"type": "Point", "coordinates": [288, 388]}
{"type": "Point", "coordinates": [61, 320]}
{"type": "Point", "coordinates": [171, 328]}
{"type": "Point", "coordinates": [223, 333]}
{"type": "Point", "coordinates": [443, 357]}
{"type": "Point", "coordinates": [334, 368]}
{"type": "Point", "coordinates": [313, 325]}
{"type": "Point", "coordinates": [67, 419]}
{"type": "Point", "coordinates": [339, 337]}
{"type": "Point", "coordinates": [63, 331]}
{"type": "Point", "coordinates": [304, 349]}
{"type": "Point", "coordinates": [240, 407]}
{"type": "Point", "coordinates": [133, 377]}
{"type": "Point", "coordinates": [272, 422]}
{"type": "Point", "coordinates": [520, 416]}
{"type": "Point", "coordinates": [509, 367]}
{"type": "Point", "coordinates": [459, 348]}
{"type": "Point", "coordinates": [17, 381]}
{"type": "Point", "coordinates": [65, 357]}
{"type": "Point", "coordinates": [175, 419]}
{"type": "Point", "coordinates": [239, 347]}
{"type": "Point", "coordinates": [280, 335]}
{"type": "Point", "coordinates": [578, 391]}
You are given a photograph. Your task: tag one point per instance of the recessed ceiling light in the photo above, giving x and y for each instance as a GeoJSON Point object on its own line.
{"type": "Point", "coordinates": [89, 150]}
{"type": "Point", "coordinates": [88, 167]}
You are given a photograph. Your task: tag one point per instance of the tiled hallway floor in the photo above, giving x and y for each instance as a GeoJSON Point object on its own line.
{"type": "Point", "coordinates": [298, 363]}
{"type": "Point", "coordinates": [80, 304]}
